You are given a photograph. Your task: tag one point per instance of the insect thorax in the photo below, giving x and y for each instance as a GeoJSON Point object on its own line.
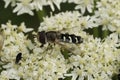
{"type": "Point", "coordinates": [52, 36]}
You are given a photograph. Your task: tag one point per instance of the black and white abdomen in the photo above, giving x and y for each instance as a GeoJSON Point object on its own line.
{"type": "Point", "coordinates": [71, 38]}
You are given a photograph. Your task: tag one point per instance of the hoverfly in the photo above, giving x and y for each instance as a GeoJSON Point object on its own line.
{"type": "Point", "coordinates": [53, 36]}
{"type": "Point", "coordinates": [18, 58]}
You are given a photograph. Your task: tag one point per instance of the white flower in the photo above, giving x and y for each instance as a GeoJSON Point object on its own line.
{"type": "Point", "coordinates": [93, 59]}
{"type": "Point", "coordinates": [7, 2]}
{"type": "Point", "coordinates": [72, 22]}
{"type": "Point", "coordinates": [9, 74]}
{"type": "Point", "coordinates": [56, 2]}
{"type": "Point", "coordinates": [21, 6]}
{"type": "Point", "coordinates": [24, 6]}
{"type": "Point", "coordinates": [97, 60]}
{"type": "Point", "coordinates": [1, 41]}
{"type": "Point", "coordinates": [108, 14]}
{"type": "Point", "coordinates": [23, 28]}
{"type": "Point", "coordinates": [36, 63]}
{"type": "Point", "coordinates": [83, 5]}
{"type": "Point", "coordinates": [38, 4]}
{"type": "Point", "coordinates": [89, 22]}
{"type": "Point", "coordinates": [13, 42]}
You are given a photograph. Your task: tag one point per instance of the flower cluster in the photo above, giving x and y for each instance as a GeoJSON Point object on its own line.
{"type": "Point", "coordinates": [68, 21]}
{"type": "Point", "coordinates": [92, 59]}
{"type": "Point", "coordinates": [26, 6]}
{"type": "Point", "coordinates": [96, 60]}
{"type": "Point", "coordinates": [14, 43]}
{"type": "Point", "coordinates": [83, 5]}
{"type": "Point", "coordinates": [109, 14]}
{"type": "Point", "coordinates": [36, 63]}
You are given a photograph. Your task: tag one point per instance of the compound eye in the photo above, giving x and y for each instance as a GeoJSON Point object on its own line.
{"type": "Point", "coordinates": [42, 37]}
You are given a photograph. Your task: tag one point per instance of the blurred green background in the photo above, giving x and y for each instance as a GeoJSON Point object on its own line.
{"type": "Point", "coordinates": [30, 21]}
{"type": "Point", "coordinates": [7, 14]}
{"type": "Point", "coordinates": [34, 21]}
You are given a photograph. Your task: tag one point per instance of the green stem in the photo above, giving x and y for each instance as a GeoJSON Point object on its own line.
{"type": "Point", "coordinates": [96, 32]}
{"type": "Point", "coordinates": [105, 33]}
{"type": "Point", "coordinates": [41, 14]}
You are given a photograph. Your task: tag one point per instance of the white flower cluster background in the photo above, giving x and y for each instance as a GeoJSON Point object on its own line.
{"type": "Point", "coordinates": [96, 58]}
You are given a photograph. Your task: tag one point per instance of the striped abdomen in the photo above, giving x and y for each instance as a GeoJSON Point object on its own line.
{"type": "Point", "coordinates": [71, 38]}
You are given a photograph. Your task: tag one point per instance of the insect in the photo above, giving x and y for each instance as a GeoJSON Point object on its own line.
{"type": "Point", "coordinates": [18, 58]}
{"type": "Point", "coordinates": [54, 36]}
